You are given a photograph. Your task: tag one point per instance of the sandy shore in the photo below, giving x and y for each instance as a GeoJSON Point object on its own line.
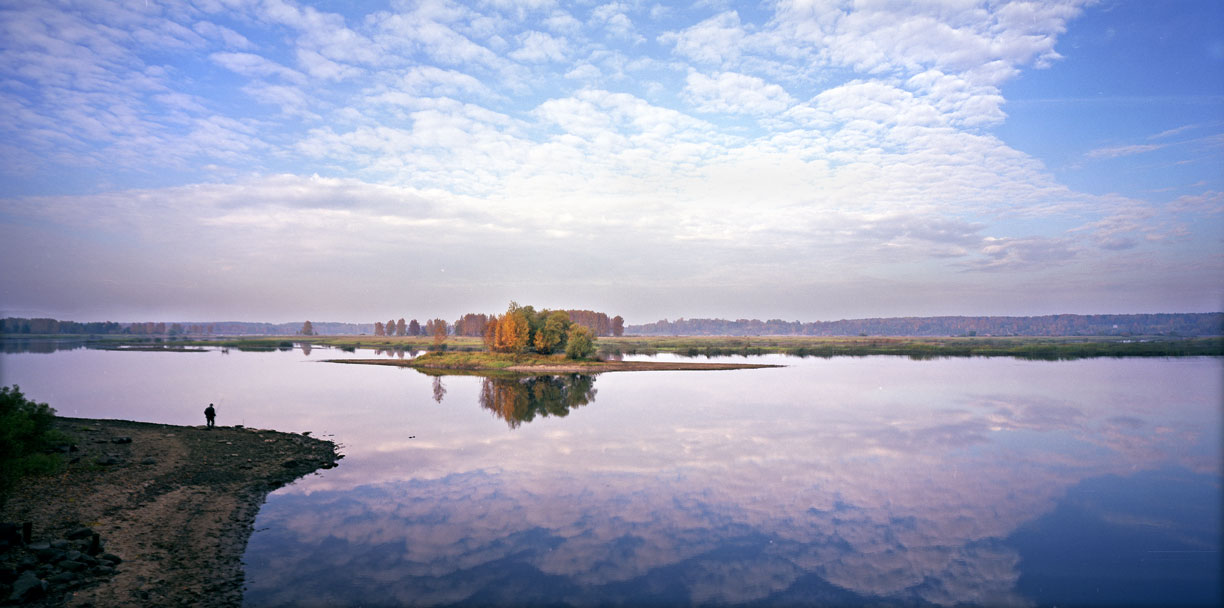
{"type": "Point", "coordinates": [174, 504]}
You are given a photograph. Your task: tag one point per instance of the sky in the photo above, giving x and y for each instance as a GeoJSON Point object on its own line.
{"type": "Point", "coordinates": [265, 160]}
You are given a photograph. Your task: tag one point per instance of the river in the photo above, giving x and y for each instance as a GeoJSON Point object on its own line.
{"type": "Point", "coordinates": [842, 481]}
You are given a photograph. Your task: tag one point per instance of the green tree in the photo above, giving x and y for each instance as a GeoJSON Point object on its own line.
{"type": "Point", "coordinates": [580, 343]}
{"type": "Point", "coordinates": [551, 336]}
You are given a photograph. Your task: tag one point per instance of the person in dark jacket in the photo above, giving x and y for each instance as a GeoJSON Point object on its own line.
{"type": "Point", "coordinates": [211, 415]}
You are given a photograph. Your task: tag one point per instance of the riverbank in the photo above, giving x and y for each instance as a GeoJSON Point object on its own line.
{"type": "Point", "coordinates": [174, 505]}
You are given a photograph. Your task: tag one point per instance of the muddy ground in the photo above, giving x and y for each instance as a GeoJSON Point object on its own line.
{"type": "Point", "coordinates": [175, 505]}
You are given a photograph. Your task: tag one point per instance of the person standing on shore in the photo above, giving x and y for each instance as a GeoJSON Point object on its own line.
{"type": "Point", "coordinates": [211, 415]}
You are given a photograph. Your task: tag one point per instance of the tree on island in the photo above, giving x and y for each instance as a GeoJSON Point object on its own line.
{"type": "Point", "coordinates": [414, 328]}
{"type": "Point", "coordinates": [581, 343]}
{"type": "Point", "coordinates": [439, 332]}
{"type": "Point", "coordinates": [401, 327]}
{"type": "Point", "coordinates": [378, 329]}
{"type": "Point", "coordinates": [307, 329]}
{"type": "Point", "coordinates": [524, 330]}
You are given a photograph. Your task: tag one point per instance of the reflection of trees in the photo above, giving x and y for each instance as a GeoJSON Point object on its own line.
{"type": "Point", "coordinates": [306, 347]}
{"type": "Point", "coordinates": [519, 400]}
{"type": "Point", "coordinates": [439, 389]}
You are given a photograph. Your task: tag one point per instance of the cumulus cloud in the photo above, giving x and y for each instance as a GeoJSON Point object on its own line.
{"type": "Point", "coordinates": [736, 94]}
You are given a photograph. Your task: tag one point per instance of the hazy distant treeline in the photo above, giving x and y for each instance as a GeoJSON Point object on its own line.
{"type": "Point", "coordinates": [1178, 324]}
{"type": "Point", "coordinates": [468, 325]}
{"type": "Point", "coordinates": [12, 325]}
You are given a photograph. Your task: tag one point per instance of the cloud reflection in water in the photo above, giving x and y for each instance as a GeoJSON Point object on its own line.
{"type": "Point", "coordinates": [747, 495]}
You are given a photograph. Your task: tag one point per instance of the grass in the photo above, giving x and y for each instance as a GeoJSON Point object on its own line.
{"type": "Point", "coordinates": [494, 361]}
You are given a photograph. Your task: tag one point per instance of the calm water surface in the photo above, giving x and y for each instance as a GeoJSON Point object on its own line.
{"type": "Point", "coordinates": [831, 481]}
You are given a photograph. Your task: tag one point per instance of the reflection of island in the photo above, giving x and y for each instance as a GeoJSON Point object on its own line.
{"type": "Point", "coordinates": [519, 400]}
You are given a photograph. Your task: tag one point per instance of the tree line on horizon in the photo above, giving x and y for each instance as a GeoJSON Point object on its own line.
{"type": "Point", "coordinates": [1165, 324]}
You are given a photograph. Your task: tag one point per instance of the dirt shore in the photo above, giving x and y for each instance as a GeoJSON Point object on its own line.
{"type": "Point", "coordinates": [173, 505]}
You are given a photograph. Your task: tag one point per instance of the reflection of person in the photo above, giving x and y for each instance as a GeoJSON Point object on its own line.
{"type": "Point", "coordinates": [210, 414]}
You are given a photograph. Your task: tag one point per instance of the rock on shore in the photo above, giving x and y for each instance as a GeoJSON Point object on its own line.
{"type": "Point", "coordinates": [146, 514]}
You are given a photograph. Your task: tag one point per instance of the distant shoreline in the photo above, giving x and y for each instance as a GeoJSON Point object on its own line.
{"type": "Point", "coordinates": [918, 347]}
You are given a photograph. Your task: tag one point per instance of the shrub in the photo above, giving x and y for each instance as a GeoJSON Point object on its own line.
{"type": "Point", "coordinates": [25, 435]}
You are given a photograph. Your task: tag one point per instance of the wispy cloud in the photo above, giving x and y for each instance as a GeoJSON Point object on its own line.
{"type": "Point", "coordinates": [1120, 151]}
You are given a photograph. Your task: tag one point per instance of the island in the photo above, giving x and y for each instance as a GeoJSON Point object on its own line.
{"type": "Point", "coordinates": [535, 364]}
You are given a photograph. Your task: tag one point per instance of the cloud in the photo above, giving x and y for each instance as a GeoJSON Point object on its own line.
{"type": "Point", "coordinates": [256, 66]}
{"type": "Point", "coordinates": [1120, 151]}
{"type": "Point", "coordinates": [715, 41]}
{"type": "Point", "coordinates": [736, 93]}
{"type": "Point", "coordinates": [613, 18]}
{"type": "Point", "coordinates": [1003, 253]}
{"type": "Point", "coordinates": [539, 46]}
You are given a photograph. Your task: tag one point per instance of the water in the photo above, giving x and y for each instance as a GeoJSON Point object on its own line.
{"type": "Point", "coordinates": [830, 481]}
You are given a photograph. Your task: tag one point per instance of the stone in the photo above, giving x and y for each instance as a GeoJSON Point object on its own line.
{"type": "Point", "coordinates": [107, 460]}
{"type": "Point", "coordinates": [79, 533]}
{"type": "Point", "coordinates": [71, 565]}
{"type": "Point", "coordinates": [149, 461]}
{"type": "Point", "coordinates": [289, 463]}
{"type": "Point", "coordinates": [73, 555]}
{"type": "Point", "coordinates": [121, 440]}
{"type": "Point", "coordinates": [50, 554]}
{"type": "Point", "coordinates": [111, 557]}
{"type": "Point", "coordinates": [61, 578]}
{"type": "Point", "coordinates": [61, 544]}
{"type": "Point", "coordinates": [27, 587]}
